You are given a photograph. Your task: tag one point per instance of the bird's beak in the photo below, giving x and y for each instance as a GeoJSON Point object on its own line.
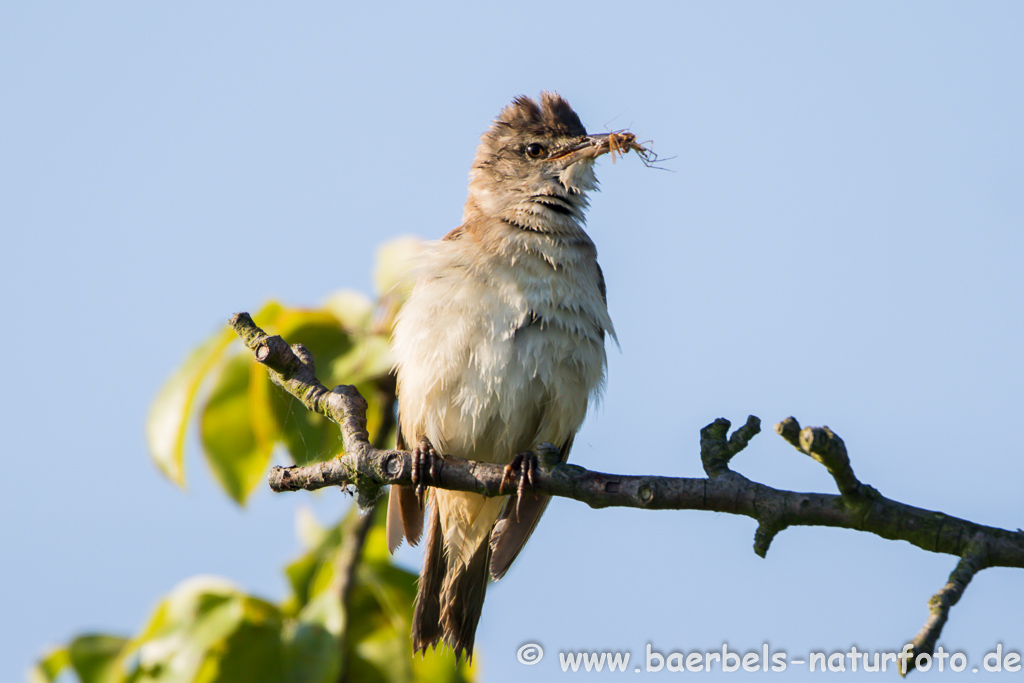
{"type": "Point", "coordinates": [593, 146]}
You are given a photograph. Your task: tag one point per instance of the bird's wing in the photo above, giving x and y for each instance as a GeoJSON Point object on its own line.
{"type": "Point", "coordinates": [405, 516]}
{"type": "Point", "coordinates": [517, 522]}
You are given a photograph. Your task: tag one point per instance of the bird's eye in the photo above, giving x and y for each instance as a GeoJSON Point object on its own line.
{"type": "Point", "coordinates": [535, 150]}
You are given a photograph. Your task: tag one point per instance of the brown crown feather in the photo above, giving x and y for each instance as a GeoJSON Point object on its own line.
{"type": "Point", "coordinates": [552, 115]}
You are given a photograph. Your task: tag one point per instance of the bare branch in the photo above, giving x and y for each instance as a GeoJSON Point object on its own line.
{"type": "Point", "coordinates": [822, 444]}
{"type": "Point", "coordinates": [974, 559]}
{"type": "Point", "coordinates": [716, 451]}
{"type": "Point", "coordinates": [860, 507]}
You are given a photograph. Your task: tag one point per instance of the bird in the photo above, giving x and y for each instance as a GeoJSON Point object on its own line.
{"type": "Point", "coordinates": [498, 349]}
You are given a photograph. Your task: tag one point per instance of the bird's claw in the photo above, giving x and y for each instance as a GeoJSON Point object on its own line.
{"type": "Point", "coordinates": [521, 472]}
{"type": "Point", "coordinates": [424, 457]}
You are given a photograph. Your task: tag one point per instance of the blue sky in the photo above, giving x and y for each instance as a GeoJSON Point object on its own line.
{"type": "Point", "coordinates": [839, 239]}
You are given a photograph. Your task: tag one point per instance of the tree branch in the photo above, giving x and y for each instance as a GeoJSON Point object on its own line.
{"type": "Point", "coordinates": [346, 565]}
{"type": "Point", "coordinates": [974, 559]}
{"type": "Point", "coordinates": [859, 506]}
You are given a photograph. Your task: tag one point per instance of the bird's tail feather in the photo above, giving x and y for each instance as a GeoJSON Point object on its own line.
{"type": "Point", "coordinates": [462, 601]}
{"type": "Point", "coordinates": [426, 616]}
{"type": "Point", "coordinates": [450, 597]}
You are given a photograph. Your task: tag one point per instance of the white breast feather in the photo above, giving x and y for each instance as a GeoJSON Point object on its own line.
{"type": "Point", "coordinates": [476, 380]}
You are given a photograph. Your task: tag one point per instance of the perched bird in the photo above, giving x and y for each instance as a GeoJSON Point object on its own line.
{"type": "Point", "coordinates": [499, 348]}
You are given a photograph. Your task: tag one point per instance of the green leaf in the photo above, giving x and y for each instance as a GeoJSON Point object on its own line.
{"type": "Point", "coordinates": [190, 635]}
{"type": "Point", "coordinates": [186, 601]}
{"type": "Point", "coordinates": [49, 667]}
{"type": "Point", "coordinates": [312, 647]}
{"type": "Point", "coordinates": [308, 436]}
{"type": "Point", "coordinates": [244, 645]}
{"type": "Point", "coordinates": [168, 416]}
{"type": "Point", "coordinates": [325, 611]}
{"type": "Point", "coordinates": [382, 657]}
{"type": "Point", "coordinates": [94, 657]}
{"type": "Point", "coordinates": [440, 667]}
{"type": "Point", "coordinates": [305, 573]}
{"type": "Point", "coordinates": [308, 528]}
{"type": "Point", "coordinates": [368, 359]}
{"type": "Point", "coordinates": [300, 575]}
{"type": "Point", "coordinates": [352, 308]}
{"type": "Point", "coordinates": [319, 331]}
{"type": "Point", "coordinates": [170, 412]}
{"type": "Point", "coordinates": [395, 260]}
{"type": "Point", "coordinates": [392, 277]}
{"type": "Point", "coordinates": [367, 365]}
{"type": "Point", "coordinates": [312, 642]}
{"type": "Point", "coordinates": [236, 451]}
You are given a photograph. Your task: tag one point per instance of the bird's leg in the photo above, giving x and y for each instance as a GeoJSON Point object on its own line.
{"type": "Point", "coordinates": [424, 457]}
{"type": "Point", "coordinates": [524, 465]}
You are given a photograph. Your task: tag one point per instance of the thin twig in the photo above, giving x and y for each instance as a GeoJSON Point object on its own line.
{"type": "Point", "coordinates": [975, 558]}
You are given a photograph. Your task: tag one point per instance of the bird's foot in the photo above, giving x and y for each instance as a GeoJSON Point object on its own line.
{"type": "Point", "coordinates": [424, 458]}
{"type": "Point", "coordinates": [520, 472]}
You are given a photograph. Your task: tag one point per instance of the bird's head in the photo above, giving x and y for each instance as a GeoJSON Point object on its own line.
{"type": "Point", "coordinates": [534, 166]}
